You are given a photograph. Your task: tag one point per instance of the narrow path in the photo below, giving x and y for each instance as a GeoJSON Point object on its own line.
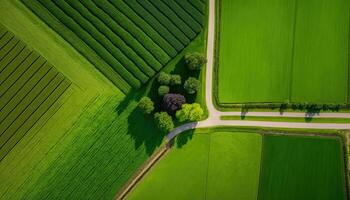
{"type": "Point", "coordinates": [214, 114]}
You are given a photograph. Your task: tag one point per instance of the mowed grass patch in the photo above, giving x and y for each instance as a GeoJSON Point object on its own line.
{"type": "Point", "coordinates": [297, 167]}
{"type": "Point", "coordinates": [283, 51]}
{"type": "Point", "coordinates": [256, 41]}
{"type": "Point", "coordinates": [210, 165]}
{"type": "Point", "coordinates": [321, 55]}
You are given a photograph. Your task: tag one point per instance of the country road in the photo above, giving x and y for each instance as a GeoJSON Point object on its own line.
{"type": "Point", "coordinates": [214, 114]}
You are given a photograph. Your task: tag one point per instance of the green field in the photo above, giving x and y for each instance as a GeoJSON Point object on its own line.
{"type": "Point", "coordinates": [302, 168]}
{"type": "Point", "coordinates": [128, 41]}
{"type": "Point", "coordinates": [90, 146]}
{"type": "Point", "coordinates": [210, 165]}
{"type": "Point", "coordinates": [205, 164]}
{"type": "Point", "coordinates": [283, 51]}
{"type": "Point", "coordinates": [30, 90]}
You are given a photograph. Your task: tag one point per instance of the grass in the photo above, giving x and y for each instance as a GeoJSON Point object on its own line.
{"type": "Point", "coordinates": [302, 168]}
{"type": "Point", "coordinates": [205, 168]}
{"type": "Point", "coordinates": [275, 57]}
{"type": "Point", "coordinates": [288, 119]}
{"type": "Point", "coordinates": [90, 146]}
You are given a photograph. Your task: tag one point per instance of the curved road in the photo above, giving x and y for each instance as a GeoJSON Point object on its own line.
{"type": "Point", "coordinates": [214, 114]}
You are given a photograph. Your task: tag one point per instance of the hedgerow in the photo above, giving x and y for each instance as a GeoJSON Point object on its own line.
{"type": "Point", "coordinates": [122, 33]}
{"type": "Point", "coordinates": [172, 16]}
{"type": "Point", "coordinates": [100, 38]}
{"type": "Point", "coordinates": [155, 24]}
{"type": "Point", "coordinates": [98, 48]}
{"type": "Point", "coordinates": [134, 30]}
{"type": "Point", "coordinates": [166, 22]}
{"type": "Point", "coordinates": [148, 29]}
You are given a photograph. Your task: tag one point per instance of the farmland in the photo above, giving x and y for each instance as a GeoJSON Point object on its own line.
{"type": "Point", "coordinates": [90, 145]}
{"type": "Point", "coordinates": [207, 164]}
{"type": "Point", "coordinates": [283, 51]}
{"type": "Point", "coordinates": [128, 41]}
{"type": "Point", "coordinates": [30, 90]}
{"type": "Point", "coordinates": [206, 167]}
{"type": "Point", "coordinates": [302, 168]}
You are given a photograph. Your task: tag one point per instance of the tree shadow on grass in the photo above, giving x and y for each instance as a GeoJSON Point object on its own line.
{"type": "Point", "coordinates": [183, 138]}
{"type": "Point", "coordinates": [144, 131]}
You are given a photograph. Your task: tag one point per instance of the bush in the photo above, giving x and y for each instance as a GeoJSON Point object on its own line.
{"type": "Point", "coordinates": [173, 102]}
{"type": "Point", "coordinates": [164, 121]}
{"type": "Point", "coordinates": [190, 112]}
{"type": "Point", "coordinates": [195, 61]}
{"type": "Point", "coordinates": [191, 85]}
{"type": "Point", "coordinates": [163, 90]}
{"type": "Point", "coordinates": [164, 78]}
{"type": "Point", "coordinates": [146, 105]}
{"type": "Point", "coordinates": [175, 79]}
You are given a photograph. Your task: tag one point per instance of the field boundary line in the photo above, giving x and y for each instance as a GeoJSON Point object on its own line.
{"type": "Point", "coordinates": [142, 171]}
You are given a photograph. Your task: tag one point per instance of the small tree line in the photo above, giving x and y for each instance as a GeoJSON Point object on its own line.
{"type": "Point", "coordinates": [174, 105]}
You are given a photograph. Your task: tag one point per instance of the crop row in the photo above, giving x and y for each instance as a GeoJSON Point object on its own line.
{"type": "Point", "coordinates": [115, 39]}
{"type": "Point", "coordinates": [91, 41]}
{"type": "Point", "coordinates": [165, 21]}
{"type": "Point", "coordinates": [127, 38]}
{"type": "Point", "coordinates": [199, 17]}
{"type": "Point", "coordinates": [154, 23]}
{"type": "Point", "coordinates": [167, 44]}
{"type": "Point", "coordinates": [102, 40]}
{"type": "Point", "coordinates": [79, 45]}
{"type": "Point", "coordinates": [11, 55]}
{"type": "Point", "coordinates": [183, 15]}
{"type": "Point", "coordinates": [199, 5]}
{"type": "Point", "coordinates": [136, 32]}
{"type": "Point", "coordinates": [176, 20]}
{"type": "Point", "coordinates": [35, 111]}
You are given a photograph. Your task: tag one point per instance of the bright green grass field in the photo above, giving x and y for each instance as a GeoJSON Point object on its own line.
{"type": "Point", "coordinates": [302, 168]}
{"type": "Point", "coordinates": [222, 165]}
{"type": "Point", "coordinates": [283, 51]}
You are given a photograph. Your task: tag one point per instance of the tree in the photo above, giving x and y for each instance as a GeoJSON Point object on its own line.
{"type": "Point", "coordinates": [164, 121]}
{"type": "Point", "coordinates": [163, 90]}
{"type": "Point", "coordinates": [146, 105]}
{"type": "Point", "coordinates": [191, 85]}
{"type": "Point", "coordinates": [173, 102]}
{"type": "Point", "coordinates": [195, 60]}
{"type": "Point", "coordinates": [164, 78]}
{"type": "Point", "coordinates": [175, 79]}
{"type": "Point", "coordinates": [190, 112]}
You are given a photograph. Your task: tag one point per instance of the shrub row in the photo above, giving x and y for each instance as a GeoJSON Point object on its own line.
{"type": "Point", "coordinates": [156, 25]}
{"type": "Point", "coordinates": [183, 15]}
{"type": "Point", "coordinates": [115, 39]}
{"type": "Point", "coordinates": [78, 44]}
{"type": "Point", "coordinates": [199, 17]}
{"type": "Point", "coordinates": [165, 21]}
{"type": "Point", "coordinates": [122, 33]}
{"type": "Point", "coordinates": [135, 31]}
{"type": "Point", "coordinates": [172, 16]}
{"type": "Point", "coordinates": [98, 48]}
{"type": "Point", "coordinates": [100, 38]}
{"type": "Point", "coordinates": [149, 30]}
{"type": "Point", "coordinates": [199, 5]}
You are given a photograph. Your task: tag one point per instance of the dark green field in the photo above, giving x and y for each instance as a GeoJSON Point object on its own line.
{"type": "Point", "coordinates": [302, 168]}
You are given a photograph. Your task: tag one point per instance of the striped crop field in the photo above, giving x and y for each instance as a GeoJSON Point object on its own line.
{"type": "Point", "coordinates": [283, 51]}
{"type": "Point", "coordinates": [128, 41]}
{"type": "Point", "coordinates": [29, 89]}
